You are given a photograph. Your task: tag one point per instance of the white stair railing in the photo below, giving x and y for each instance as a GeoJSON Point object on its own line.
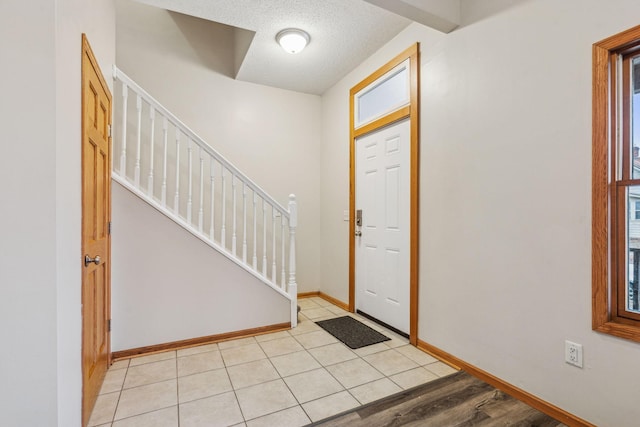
{"type": "Point", "coordinates": [163, 145]}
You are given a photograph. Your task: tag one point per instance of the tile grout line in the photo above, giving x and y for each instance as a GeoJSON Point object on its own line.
{"type": "Point", "coordinates": [287, 385]}
{"type": "Point", "coordinates": [384, 376]}
{"type": "Point", "coordinates": [280, 377]}
{"type": "Point", "coordinates": [333, 376]}
{"type": "Point", "coordinates": [233, 389]}
{"type": "Point", "coordinates": [115, 410]}
{"type": "Point", "coordinates": [146, 384]}
{"type": "Point", "coordinates": [288, 388]}
{"type": "Point", "coordinates": [299, 404]}
{"type": "Point", "coordinates": [322, 366]}
{"type": "Point", "coordinates": [122, 389]}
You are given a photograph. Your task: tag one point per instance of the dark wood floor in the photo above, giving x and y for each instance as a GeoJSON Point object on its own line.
{"type": "Point", "coordinates": [458, 400]}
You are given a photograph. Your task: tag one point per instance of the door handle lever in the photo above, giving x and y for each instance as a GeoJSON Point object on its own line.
{"type": "Point", "coordinates": [88, 260]}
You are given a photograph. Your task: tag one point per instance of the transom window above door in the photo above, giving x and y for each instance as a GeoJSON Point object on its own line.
{"type": "Point", "coordinates": [385, 95]}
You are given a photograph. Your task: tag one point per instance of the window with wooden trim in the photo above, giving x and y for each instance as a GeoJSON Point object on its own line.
{"type": "Point", "coordinates": [616, 185]}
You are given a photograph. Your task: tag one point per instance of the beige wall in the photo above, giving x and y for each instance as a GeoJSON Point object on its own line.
{"type": "Point", "coordinates": [273, 135]}
{"type": "Point", "coordinates": [40, 217]}
{"type": "Point", "coordinates": [28, 229]}
{"type": "Point", "coordinates": [97, 20]}
{"type": "Point", "coordinates": [505, 198]}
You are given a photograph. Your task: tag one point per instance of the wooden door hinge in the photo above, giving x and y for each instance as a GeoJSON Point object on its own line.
{"type": "Point", "coordinates": [109, 325]}
{"type": "Point", "coordinates": [109, 228]}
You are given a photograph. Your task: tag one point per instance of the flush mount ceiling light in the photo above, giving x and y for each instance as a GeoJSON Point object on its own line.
{"type": "Point", "coordinates": [293, 40]}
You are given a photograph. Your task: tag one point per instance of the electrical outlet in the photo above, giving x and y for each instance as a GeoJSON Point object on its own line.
{"type": "Point", "coordinates": [573, 353]}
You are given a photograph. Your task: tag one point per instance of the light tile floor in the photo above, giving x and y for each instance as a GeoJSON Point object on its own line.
{"type": "Point", "coordinates": [287, 378]}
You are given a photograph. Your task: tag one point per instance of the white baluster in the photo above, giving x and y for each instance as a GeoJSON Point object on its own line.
{"type": "Point", "coordinates": [176, 198]}
{"type": "Point", "coordinates": [201, 211]}
{"type": "Point", "coordinates": [293, 285]}
{"type": "Point", "coordinates": [290, 221]}
{"type": "Point", "coordinates": [165, 126]}
{"type": "Point", "coordinates": [255, 233]}
{"type": "Point", "coordinates": [235, 214]}
{"type": "Point", "coordinates": [136, 175]}
{"type": "Point", "coordinates": [264, 237]}
{"type": "Point", "coordinates": [213, 198]}
{"type": "Point", "coordinates": [283, 275]}
{"type": "Point", "coordinates": [244, 222]}
{"type": "Point", "coordinates": [274, 269]}
{"type": "Point", "coordinates": [152, 118]}
{"type": "Point", "coordinates": [190, 175]}
{"type": "Point", "coordinates": [223, 231]}
{"type": "Point", "coordinates": [123, 152]}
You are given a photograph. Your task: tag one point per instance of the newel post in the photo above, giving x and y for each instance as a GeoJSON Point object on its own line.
{"type": "Point", "coordinates": [293, 286]}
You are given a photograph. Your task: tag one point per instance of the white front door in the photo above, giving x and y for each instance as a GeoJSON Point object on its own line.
{"type": "Point", "coordinates": [383, 238]}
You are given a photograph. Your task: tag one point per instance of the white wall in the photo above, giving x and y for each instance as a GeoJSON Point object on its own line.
{"type": "Point", "coordinates": [27, 218]}
{"type": "Point", "coordinates": [170, 286]}
{"type": "Point", "coordinates": [40, 217]}
{"type": "Point", "coordinates": [505, 198]}
{"type": "Point", "coordinates": [273, 135]}
{"type": "Point", "coordinates": [97, 20]}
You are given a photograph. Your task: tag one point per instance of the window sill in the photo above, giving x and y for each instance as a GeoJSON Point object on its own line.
{"type": "Point", "coordinates": [619, 330]}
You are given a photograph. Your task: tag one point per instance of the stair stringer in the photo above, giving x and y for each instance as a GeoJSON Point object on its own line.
{"type": "Point", "coordinates": [191, 229]}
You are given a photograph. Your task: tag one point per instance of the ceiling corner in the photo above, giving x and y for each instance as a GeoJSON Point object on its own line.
{"type": "Point", "coordinates": [441, 15]}
{"type": "Point", "coordinates": [242, 40]}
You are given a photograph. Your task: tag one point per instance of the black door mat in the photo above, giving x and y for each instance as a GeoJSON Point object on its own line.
{"type": "Point", "coordinates": [351, 332]}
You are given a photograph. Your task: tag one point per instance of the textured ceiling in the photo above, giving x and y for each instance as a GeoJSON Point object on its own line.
{"type": "Point", "coordinates": [343, 34]}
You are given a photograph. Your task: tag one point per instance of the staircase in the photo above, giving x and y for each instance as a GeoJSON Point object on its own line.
{"type": "Point", "coordinates": [163, 162]}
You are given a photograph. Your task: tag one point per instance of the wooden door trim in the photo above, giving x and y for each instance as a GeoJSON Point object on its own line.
{"type": "Point", "coordinates": [87, 53]}
{"type": "Point", "coordinates": [413, 113]}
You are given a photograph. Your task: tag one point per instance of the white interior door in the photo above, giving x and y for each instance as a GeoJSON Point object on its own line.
{"type": "Point", "coordinates": [383, 238]}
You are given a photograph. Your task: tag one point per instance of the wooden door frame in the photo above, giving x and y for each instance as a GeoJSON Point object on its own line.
{"type": "Point", "coordinates": [88, 53]}
{"type": "Point", "coordinates": [412, 112]}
